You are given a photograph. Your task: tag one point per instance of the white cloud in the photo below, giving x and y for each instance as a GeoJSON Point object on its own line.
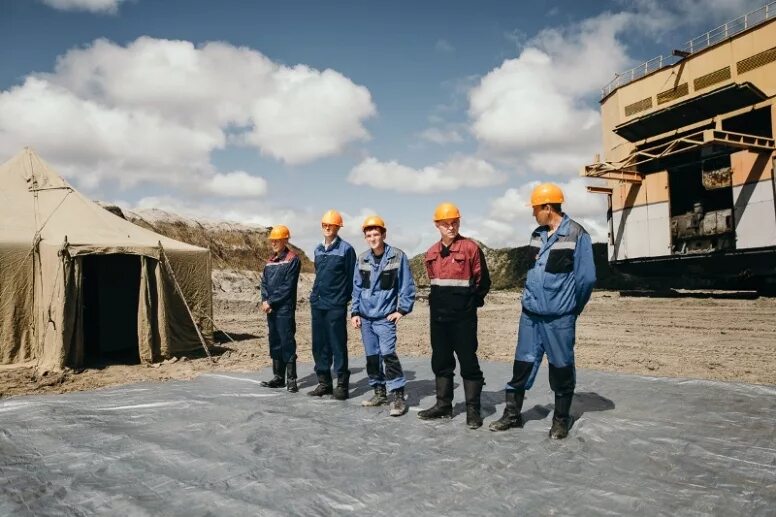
{"type": "Point", "coordinates": [95, 6]}
{"type": "Point", "coordinates": [236, 184]}
{"type": "Point", "coordinates": [459, 171]}
{"type": "Point", "coordinates": [155, 110]}
{"type": "Point", "coordinates": [441, 136]}
{"type": "Point", "coordinates": [537, 105]}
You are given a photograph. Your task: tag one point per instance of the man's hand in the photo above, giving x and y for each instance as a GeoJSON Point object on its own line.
{"type": "Point", "coordinates": [394, 317]}
{"type": "Point", "coordinates": [356, 322]}
{"type": "Point", "coordinates": [266, 308]}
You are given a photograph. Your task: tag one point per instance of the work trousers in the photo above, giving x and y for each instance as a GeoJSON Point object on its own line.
{"type": "Point", "coordinates": [537, 335]}
{"type": "Point", "coordinates": [382, 363]}
{"type": "Point", "coordinates": [282, 334]}
{"type": "Point", "coordinates": [451, 338]}
{"type": "Point", "coordinates": [330, 341]}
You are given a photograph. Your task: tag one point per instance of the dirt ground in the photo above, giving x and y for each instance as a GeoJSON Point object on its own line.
{"type": "Point", "coordinates": [719, 339]}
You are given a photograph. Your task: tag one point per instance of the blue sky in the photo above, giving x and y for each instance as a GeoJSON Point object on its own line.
{"type": "Point", "coordinates": [302, 106]}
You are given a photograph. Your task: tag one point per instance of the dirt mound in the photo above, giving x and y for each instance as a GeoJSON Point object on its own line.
{"type": "Point", "coordinates": [232, 245]}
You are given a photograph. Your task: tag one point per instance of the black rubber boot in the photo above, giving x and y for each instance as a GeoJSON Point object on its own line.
{"type": "Point", "coordinates": [291, 376]}
{"type": "Point", "coordinates": [378, 399]}
{"type": "Point", "coordinates": [342, 391]}
{"type": "Point", "coordinates": [278, 379]}
{"type": "Point", "coordinates": [444, 403]}
{"type": "Point", "coordinates": [561, 419]}
{"type": "Point", "coordinates": [511, 417]}
{"type": "Point", "coordinates": [398, 404]}
{"type": "Point", "coordinates": [472, 391]}
{"type": "Point", "coordinates": [323, 388]}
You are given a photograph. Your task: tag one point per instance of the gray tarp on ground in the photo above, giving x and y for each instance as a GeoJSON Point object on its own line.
{"type": "Point", "coordinates": [222, 445]}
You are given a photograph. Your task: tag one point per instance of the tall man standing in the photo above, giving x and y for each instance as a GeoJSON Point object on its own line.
{"type": "Point", "coordinates": [557, 287]}
{"type": "Point", "coordinates": [278, 301]}
{"type": "Point", "coordinates": [459, 282]}
{"type": "Point", "coordinates": [383, 293]}
{"type": "Point", "coordinates": [335, 261]}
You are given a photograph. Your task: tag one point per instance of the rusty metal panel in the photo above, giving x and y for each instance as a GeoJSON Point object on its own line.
{"type": "Point", "coordinates": [717, 178]}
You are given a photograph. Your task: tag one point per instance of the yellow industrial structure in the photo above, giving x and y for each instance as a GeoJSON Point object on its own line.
{"type": "Point", "coordinates": [688, 157]}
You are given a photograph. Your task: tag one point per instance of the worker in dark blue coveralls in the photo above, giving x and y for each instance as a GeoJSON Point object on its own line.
{"type": "Point", "coordinates": [335, 261]}
{"type": "Point", "coordinates": [557, 288]}
{"type": "Point", "coordinates": [278, 302]}
{"type": "Point", "coordinates": [383, 293]}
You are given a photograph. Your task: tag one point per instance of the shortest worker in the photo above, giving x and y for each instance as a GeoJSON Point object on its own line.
{"type": "Point", "coordinates": [383, 292]}
{"type": "Point", "coordinates": [278, 302]}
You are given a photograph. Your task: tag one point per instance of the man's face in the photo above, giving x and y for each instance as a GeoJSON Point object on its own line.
{"type": "Point", "coordinates": [542, 214]}
{"type": "Point", "coordinates": [278, 245]}
{"type": "Point", "coordinates": [329, 230]}
{"type": "Point", "coordinates": [448, 228]}
{"type": "Point", "coordinates": [375, 238]}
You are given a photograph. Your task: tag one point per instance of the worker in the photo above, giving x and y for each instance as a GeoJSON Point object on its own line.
{"type": "Point", "coordinates": [557, 288]}
{"type": "Point", "coordinates": [383, 293]}
{"type": "Point", "coordinates": [459, 280]}
{"type": "Point", "coordinates": [335, 261]}
{"type": "Point", "coordinates": [278, 302]}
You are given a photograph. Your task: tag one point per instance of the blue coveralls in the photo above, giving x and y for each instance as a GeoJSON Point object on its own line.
{"type": "Point", "coordinates": [382, 287]}
{"type": "Point", "coordinates": [329, 299]}
{"type": "Point", "coordinates": [278, 289]}
{"type": "Point", "coordinates": [557, 288]}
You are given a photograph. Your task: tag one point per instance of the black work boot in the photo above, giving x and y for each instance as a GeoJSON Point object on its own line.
{"type": "Point", "coordinates": [291, 376]}
{"type": "Point", "coordinates": [398, 404]}
{"type": "Point", "coordinates": [472, 391]}
{"type": "Point", "coordinates": [378, 399]}
{"type": "Point", "coordinates": [444, 403]}
{"type": "Point", "coordinates": [341, 392]}
{"type": "Point", "coordinates": [278, 379]}
{"type": "Point", "coordinates": [323, 388]}
{"type": "Point", "coordinates": [561, 418]}
{"type": "Point", "coordinates": [511, 417]}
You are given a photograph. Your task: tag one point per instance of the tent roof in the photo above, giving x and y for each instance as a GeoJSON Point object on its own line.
{"type": "Point", "coordinates": [35, 199]}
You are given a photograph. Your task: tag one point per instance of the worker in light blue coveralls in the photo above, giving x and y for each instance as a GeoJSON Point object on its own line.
{"type": "Point", "coordinates": [335, 261]}
{"type": "Point", "coordinates": [557, 288]}
{"type": "Point", "coordinates": [278, 301]}
{"type": "Point", "coordinates": [383, 293]}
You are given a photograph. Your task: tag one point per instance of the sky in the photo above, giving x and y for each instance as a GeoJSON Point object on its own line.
{"type": "Point", "coordinates": [272, 112]}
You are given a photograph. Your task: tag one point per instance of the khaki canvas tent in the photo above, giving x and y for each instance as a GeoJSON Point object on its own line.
{"type": "Point", "coordinates": [78, 282]}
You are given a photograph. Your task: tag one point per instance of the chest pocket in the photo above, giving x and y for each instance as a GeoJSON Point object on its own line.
{"type": "Point", "coordinates": [560, 261]}
{"type": "Point", "coordinates": [459, 261]}
{"type": "Point", "coordinates": [388, 279]}
{"type": "Point", "coordinates": [366, 281]}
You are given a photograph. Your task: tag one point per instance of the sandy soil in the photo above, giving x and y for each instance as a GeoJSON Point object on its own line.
{"type": "Point", "coordinates": [719, 339]}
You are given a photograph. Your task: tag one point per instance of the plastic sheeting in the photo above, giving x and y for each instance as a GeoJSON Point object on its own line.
{"type": "Point", "coordinates": [223, 445]}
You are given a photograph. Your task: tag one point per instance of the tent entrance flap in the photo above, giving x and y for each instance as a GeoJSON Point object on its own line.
{"type": "Point", "coordinates": [111, 290]}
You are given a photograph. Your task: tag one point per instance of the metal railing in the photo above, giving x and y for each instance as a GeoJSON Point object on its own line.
{"type": "Point", "coordinates": [710, 38]}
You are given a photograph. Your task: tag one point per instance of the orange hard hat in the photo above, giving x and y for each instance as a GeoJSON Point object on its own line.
{"type": "Point", "coordinates": [546, 193]}
{"type": "Point", "coordinates": [446, 211]}
{"type": "Point", "coordinates": [332, 217]}
{"type": "Point", "coordinates": [373, 221]}
{"type": "Point", "coordinates": [279, 232]}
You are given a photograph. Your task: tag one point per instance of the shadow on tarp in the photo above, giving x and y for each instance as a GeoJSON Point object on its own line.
{"type": "Point", "coordinates": [221, 444]}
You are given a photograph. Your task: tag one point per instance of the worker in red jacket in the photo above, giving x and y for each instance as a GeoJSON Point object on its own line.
{"type": "Point", "coordinates": [459, 282]}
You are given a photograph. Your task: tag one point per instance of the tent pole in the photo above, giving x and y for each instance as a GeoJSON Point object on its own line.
{"type": "Point", "coordinates": [168, 267]}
